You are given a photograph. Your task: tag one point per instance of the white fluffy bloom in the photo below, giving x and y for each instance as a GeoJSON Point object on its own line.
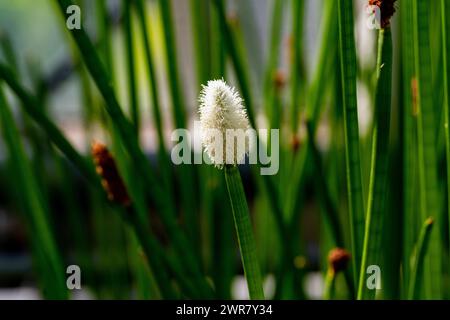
{"type": "Point", "coordinates": [224, 124]}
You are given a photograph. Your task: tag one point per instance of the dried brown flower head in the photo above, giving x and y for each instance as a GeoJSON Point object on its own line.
{"type": "Point", "coordinates": [106, 168]}
{"type": "Point", "coordinates": [295, 143]}
{"type": "Point", "coordinates": [387, 10]}
{"type": "Point", "coordinates": [338, 259]}
{"type": "Point", "coordinates": [279, 79]}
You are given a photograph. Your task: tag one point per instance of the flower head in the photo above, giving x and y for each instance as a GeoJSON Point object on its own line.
{"type": "Point", "coordinates": [338, 259]}
{"type": "Point", "coordinates": [387, 9]}
{"type": "Point", "coordinates": [224, 124]}
{"type": "Point", "coordinates": [106, 168]}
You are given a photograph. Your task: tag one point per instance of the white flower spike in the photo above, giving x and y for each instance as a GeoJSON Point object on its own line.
{"type": "Point", "coordinates": [224, 124]}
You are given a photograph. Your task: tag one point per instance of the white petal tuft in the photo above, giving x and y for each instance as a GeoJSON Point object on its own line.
{"type": "Point", "coordinates": [222, 115]}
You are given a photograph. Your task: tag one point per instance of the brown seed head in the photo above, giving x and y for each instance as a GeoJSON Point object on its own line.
{"type": "Point", "coordinates": [387, 10]}
{"type": "Point", "coordinates": [295, 143]}
{"type": "Point", "coordinates": [338, 259]}
{"type": "Point", "coordinates": [106, 168]}
{"type": "Point", "coordinates": [279, 79]}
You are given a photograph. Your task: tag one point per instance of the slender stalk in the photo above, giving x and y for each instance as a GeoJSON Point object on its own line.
{"type": "Point", "coordinates": [129, 138]}
{"type": "Point", "coordinates": [429, 191]}
{"type": "Point", "coordinates": [243, 77]}
{"type": "Point", "coordinates": [237, 60]}
{"type": "Point", "coordinates": [270, 90]}
{"type": "Point", "coordinates": [244, 232]}
{"type": "Point", "coordinates": [162, 263]}
{"type": "Point", "coordinates": [32, 107]}
{"type": "Point", "coordinates": [379, 166]}
{"type": "Point", "coordinates": [330, 285]}
{"type": "Point", "coordinates": [104, 28]}
{"type": "Point", "coordinates": [179, 110]}
{"type": "Point", "coordinates": [132, 85]}
{"type": "Point", "coordinates": [142, 273]}
{"type": "Point", "coordinates": [218, 49]}
{"type": "Point", "coordinates": [274, 47]}
{"type": "Point", "coordinates": [351, 128]}
{"type": "Point", "coordinates": [419, 257]}
{"type": "Point", "coordinates": [160, 260]}
{"type": "Point", "coordinates": [409, 136]}
{"type": "Point", "coordinates": [154, 92]}
{"type": "Point", "coordinates": [223, 254]}
{"type": "Point", "coordinates": [244, 84]}
{"type": "Point", "coordinates": [298, 9]}
{"type": "Point", "coordinates": [137, 215]}
{"type": "Point", "coordinates": [201, 35]}
{"type": "Point", "coordinates": [130, 199]}
{"type": "Point", "coordinates": [445, 12]}
{"type": "Point", "coordinates": [221, 226]}
{"type": "Point", "coordinates": [8, 51]}
{"type": "Point", "coordinates": [268, 183]}
{"type": "Point", "coordinates": [36, 209]}
{"type": "Point", "coordinates": [331, 214]}
{"type": "Point", "coordinates": [315, 101]}
{"type": "Point", "coordinates": [102, 81]}
{"type": "Point", "coordinates": [327, 50]}
{"type": "Point", "coordinates": [328, 207]}
{"type": "Point", "coordinates": [191, 283]}
{"type": "Point", "coordinates": [187, 174]}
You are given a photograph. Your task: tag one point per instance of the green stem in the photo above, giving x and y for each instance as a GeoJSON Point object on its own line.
{"type": "Point", "coordinates": [329, 208]}
{"type": "Point", "coordinates": [244, 84]}
{"type": "Point", "coordinates": [419, 257]}
{"type": "Point", "coordinates": [330, 285]}
{"type": "Point", "coordinates": [237, 60]}
{"type": "Point", "coordinates": [128, 136]}
{"type": "Point", "coordinates": [154, 92]}
{"type": "Point", "coordinates": [446, 59]}
{"type": "Point", "coordinates": [221, 227]}
{"type": "Point", "coordinates": [325, 62]}
{"type": "Point", "coordinates": [244, 232]}
{"type": "Point", "coordinates": [315, 101]}
{"type": "Point", "coordinates": [352, 147]}
{"type": "Point", "coordinates": [161, 262]}
{"type": "Point", "coordinates": [379, 166]}
{"type": "Point", "coordinates": [179, 109]}
{"type": "Point", "coordinates": [187, 174]}
{"type": "Point", "coordinates": [104, 28]}
{"type": "Point", "coordinates": [426, 124]}
{"type": "Point", "coordinates": [132, 86]}
{"type": "Point", "coordinates": [271, 92]}
{"type": "Point", "coordinates": [218, 49]}
{"type": "Point", "coordinates": [323, 191]}
{"type": "Point", "coordinates": [409, 136]}
{"type": "Point", "coordinates": [8, 52]}
{"type": "Point", "coordinates": [298, 9]}
{"type": "Point", "coordinates": [33, 108]}
{"type": "Point", "coordinates": [35, 207]}
{"type": "Point", "coordinates": [328, 48]}
{"type": "Point", "coordinates": [201, 35]}
{"type": "Point", "coordinates": [243, 78]}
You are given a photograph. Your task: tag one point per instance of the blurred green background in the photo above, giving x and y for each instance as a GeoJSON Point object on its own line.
{"type": "Point", "coordinates": [284, 58]}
